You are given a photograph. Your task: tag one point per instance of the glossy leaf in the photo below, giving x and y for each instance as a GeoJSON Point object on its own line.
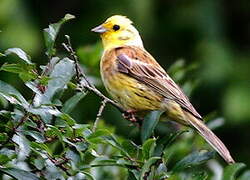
{"type": "Point", "coordinates": [41, 147]}
{"type": "Point", "coordinates": [149, 124]}
{"type": "Point", "coordinates": [23, 145]}
{"type": "Point", "coordinates": [25, 71]}
{"type": "Point", "coordinates": [147, 165]}
{"type": "Point", "coordinates": [36, 135]}
{"type": "Point", "coordinates": [19, 174]}
{"type": "Point", "coordinates": [51, 33]}
{"type": "Point", "coordinates": [4, 159]}
{"type": "Point", "coordinates": [45, 112]}
{"type": "Point", "coordinates": [70, 104]}
{"type": "Point", "coordinates": [231, 171]}
{"type": "Point", "coordinates": [39, 163]}
{"type": "Point", "coordinates": [60, 76]}
{"type": "Point", "coordinates": [12, 95]}
{"type": "Point", "coordinates": [166, 141]}
{"type": "Point", "coordinates": [98, 133]}
{"type": "Point", "coordinates": [148, 148]}
{"type": "Point", "coordinates": [90, 176]}
{"type": "Point", "coordinates": [131, 148]}
{"type": "Point", "coordinates": [20, 53]}
{"type": "Point", "coordinates": [3, 137]}
{"type": "Point", "coordinates": [193, 159]}
{"type": "Point", "coordinates": [133, 175]}
{"type": "Point", "coordinates": [200, 176]}
{"type": "Point", "coordinates": [53, 131]}
{"type": "Point", "coordinates": [111, 140]}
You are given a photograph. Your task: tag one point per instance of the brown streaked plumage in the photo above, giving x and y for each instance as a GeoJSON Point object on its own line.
{"type": "Point", "coordinates": [135, 79]}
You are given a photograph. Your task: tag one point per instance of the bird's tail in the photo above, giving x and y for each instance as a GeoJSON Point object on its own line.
{"type": "Point", "coordinates": [210, 137]}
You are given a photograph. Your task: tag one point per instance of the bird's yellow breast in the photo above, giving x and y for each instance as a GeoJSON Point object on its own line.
{"type": "Point", "coordinates": [129, 92]}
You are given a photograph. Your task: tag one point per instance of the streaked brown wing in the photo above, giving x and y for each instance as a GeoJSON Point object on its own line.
{"type": "Point", "coordinates": [153, 76]}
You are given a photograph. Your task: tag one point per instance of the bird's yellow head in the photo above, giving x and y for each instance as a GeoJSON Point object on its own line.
{"type": "Point", "coordinates": [118, 31]}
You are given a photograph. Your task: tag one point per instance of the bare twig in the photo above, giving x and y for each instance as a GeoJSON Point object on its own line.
{"type": "Point", "coordinates": [84, 84]}
{"type": "Point", "coordinates": [79, 72]}
{"type": "Point", "coordinates": [60, 163]}
{"type": "Point", "coordinates": [87, 84]}
{"type": "Point", "coordinates": [99, 114]}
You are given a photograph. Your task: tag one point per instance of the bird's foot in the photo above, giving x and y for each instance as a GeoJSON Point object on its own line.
{"type": "Point", "coordinates": [130, 115]}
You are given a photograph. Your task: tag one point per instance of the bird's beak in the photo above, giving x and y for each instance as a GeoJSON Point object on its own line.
{"type": "Point", "coordinates": [99, 29]}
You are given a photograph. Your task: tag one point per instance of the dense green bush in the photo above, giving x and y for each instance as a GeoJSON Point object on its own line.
{"type": "Point", "coordinates": [40, 140]}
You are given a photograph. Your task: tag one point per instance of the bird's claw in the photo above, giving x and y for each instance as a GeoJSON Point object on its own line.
{"type": "Point", "coordinates": [130, 115]}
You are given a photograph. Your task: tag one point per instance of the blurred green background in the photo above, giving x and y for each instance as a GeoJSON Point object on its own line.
{"type": "Point", "coordinates": [214, 35]}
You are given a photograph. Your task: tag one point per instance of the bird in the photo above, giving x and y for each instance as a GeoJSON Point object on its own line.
{"type": "Point", "coordinates": [138, 83]}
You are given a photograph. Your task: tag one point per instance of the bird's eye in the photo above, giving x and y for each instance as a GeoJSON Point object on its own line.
{"type": "Point", "coordinates": [116, 27]}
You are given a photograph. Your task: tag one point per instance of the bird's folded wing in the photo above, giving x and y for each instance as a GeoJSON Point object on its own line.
{"type": "Point", "coordinates": [155, 77]}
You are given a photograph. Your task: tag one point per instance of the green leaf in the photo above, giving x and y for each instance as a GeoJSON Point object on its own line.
{"type": "Point", "coordinates": [81, 130]}
{"type": "Point", "coordinates": [44, 80]}
{"type": "Point", "coordinates": [70, 104]}
{"type": "Point", "coordinates": [39, 163]}
{"type": "Point", "coordinates": [113, 142]}
{"type": "Point", "coordinates": [19, 174]}
{"type": "Point", "coordinates": [80, 146]}
{"type": "Point", "coordinates": [60, 76]}
{"type": "Point", "coordinates": [161, 171]}
{"type": "Point", "coordinates": [8, 152]}
{"type": "Point", "coordinates": [149, 124]}
{"type": "Point", "coordinates": [69, 120]}
{"type": "Point", "coordinates": [131, 148]}
{"type": "Point", "coordinates": [245, 175]}
{"type": "Point", "coordinates": [25, 71]}
{"type": "Point", "coordinates": [133, 174]}
{"type": "Point", "coordinates": [98, 133]}
{"type": "Point", "coordinates": [45, 112]}
{"type": "Point", "coordinates": [20, 53]}
{"type": "Point", "coordinates": [41, 147]}
{"type": "Point", "coordinates": [1, 54]}
{"type": "Point", "coordinates": [3, 137]}
{"type": "Point", "coordinates": [12, 95]}
{"type": "Point", "coordinates": [173, 137]}
{"type": "Point", "coordinates": [23, 144]}
{"type": "Point", "coordinates": [4, 103]}
{"type": "Point", "coordinates": [193, 159]}
{"type": "Point", "coordinates": [88, 175]}
{"type": "Point", "coordinates": [6, 114]}
{"type": "Point", "coordinates": [231, 171]}
{"type": "Point", "coordinates": [53, 131]}
{"type": "Point", "coordinates": [51, 33]}
{"type": "Point", "coordinates": [200, 176]}
{"type": "Point", "coordinates": [50, 66]}
{"type": "Point", "coordinates": [36, 135]}
{"type": "Point", "coordinates": [148, 148]}
{"type": "Point", "coordinates": [166, 141]}
{"type": "Point", "coordinates": [4, 159]}
{"type": "Point", "coordinates": [147, 165]}
{"type": "Point", "coordinates": [14, 68]}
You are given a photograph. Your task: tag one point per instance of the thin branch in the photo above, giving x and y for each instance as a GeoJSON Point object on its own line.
{"type": "Point", "coordinates": [14, 130]}
{"type": "Point", "coordinates": [99, 114]}
{"type": "Point", "coordinates": [87, 84]}
{"type": "Point", "coordinates": [84, 84]}
{"type": "Point", "coordinates": [60, 164]}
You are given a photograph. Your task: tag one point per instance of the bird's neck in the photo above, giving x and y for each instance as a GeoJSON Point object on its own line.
{"type": "Point", "coordinates": [113, 43]}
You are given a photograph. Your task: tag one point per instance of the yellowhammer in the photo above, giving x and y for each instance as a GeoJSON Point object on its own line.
{"type": "Point", "coordinates": [135, 79]}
